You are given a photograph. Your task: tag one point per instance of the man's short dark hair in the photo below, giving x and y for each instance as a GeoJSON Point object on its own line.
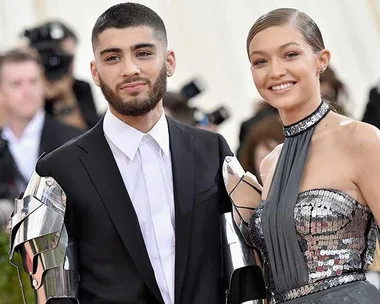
{"type": "Point", "coordinates": [19, 56]}
{"type": "Point", "coordinates": [129, 15]}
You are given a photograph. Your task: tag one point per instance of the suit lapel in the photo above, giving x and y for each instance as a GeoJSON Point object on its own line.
{"type": "Point", "coordinates": [104, 173]}
{"type": "Point", "coordinates": [48, 140]}
{"type": "Point", "coordinates": [181, 146]}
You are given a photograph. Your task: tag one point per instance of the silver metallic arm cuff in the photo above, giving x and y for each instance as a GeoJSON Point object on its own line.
{"type": "Point", "coordinates": [38, 234]}
{"type": "Point", "coordinates": [242, 276]}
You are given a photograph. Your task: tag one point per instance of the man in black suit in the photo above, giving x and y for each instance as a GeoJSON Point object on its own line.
{"type": "Point", "coordinates": [28, 131]}
{"type": "Point", "coordinates": [144, 193]}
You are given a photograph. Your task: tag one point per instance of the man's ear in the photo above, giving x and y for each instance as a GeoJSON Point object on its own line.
{"type": "Point", "coordinates": [94, 73]}
{"type": "Point", "coordinates": [170, 63]}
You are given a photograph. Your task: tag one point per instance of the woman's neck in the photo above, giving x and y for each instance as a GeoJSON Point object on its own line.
{"type": "Point", "coordinates": [299, 112]}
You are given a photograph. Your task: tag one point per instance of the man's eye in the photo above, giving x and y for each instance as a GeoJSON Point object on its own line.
{"type": "Point", "coordinates": [113, 58]}
{"type": "Point", "coordinates": [143, 54]}
{"type": "Point", "coordinates": [259, 62]}
{"type": "Point", "coordinates": [16, 84]}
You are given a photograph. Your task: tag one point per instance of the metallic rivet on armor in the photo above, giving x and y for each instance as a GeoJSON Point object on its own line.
{"type": "Point", "coordinates": [49, 182]}
{"type": "Point", "coordinates": [34, 282]}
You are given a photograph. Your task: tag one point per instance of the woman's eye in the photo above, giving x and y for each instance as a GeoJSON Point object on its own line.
{"type": "Point", "coordinates": [291, 55]}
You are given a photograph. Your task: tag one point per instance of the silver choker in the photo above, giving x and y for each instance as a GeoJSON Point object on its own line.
{"type": "Point", "coordinates": [308, 122]}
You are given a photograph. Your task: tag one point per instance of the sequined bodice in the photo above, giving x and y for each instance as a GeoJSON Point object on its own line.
{"type": "Point", "coordinates": [337, 236]}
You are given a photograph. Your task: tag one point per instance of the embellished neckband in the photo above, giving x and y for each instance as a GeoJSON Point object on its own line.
{"type": "Point", "coordinates": [308, 122]}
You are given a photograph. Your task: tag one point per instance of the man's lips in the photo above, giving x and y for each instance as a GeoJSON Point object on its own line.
{"type": "Point", "coordinates": [133, 86]}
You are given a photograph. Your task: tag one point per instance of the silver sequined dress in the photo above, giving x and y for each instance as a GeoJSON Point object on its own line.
{"type": "Point", "coordinates": [337, 236]}
{"type": "Point", "coordinates": [334, 234]}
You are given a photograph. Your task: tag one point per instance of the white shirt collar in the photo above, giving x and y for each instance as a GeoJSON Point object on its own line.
{"type": "Point", "coordinates": [33, 128]}
{"type": "Point", "coordinates": [128, 139]}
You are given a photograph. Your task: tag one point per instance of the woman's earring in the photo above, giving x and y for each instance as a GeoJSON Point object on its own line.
{"type": "Point", "coordinates": [321, 69]}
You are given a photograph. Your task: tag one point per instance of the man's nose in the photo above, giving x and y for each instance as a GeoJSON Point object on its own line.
{"type": "Point", "coordinates": [130, 68]}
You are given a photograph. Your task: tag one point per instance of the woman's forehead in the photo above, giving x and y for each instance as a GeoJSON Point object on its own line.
{"type": "Point", "coordinates": [275, 37]}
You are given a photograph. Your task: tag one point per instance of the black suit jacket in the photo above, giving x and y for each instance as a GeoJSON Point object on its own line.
{"type": "Point", "coordinates": [54, 134]}
{"type": "Point", "coordinates": [113, 262]}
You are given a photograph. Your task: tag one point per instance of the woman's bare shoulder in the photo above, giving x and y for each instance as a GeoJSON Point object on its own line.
{"type": "Point", "coordinates": [356, 135]}
{"type": "Point", "coordinates": [364, 138]}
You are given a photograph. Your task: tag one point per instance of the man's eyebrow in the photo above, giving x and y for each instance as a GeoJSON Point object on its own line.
{"type": "Point", "coordinates": [281, 47]}
{"type": "Point", "coordinates": [143, 45]}
{"type": "Point", "coordinates": [110, 50]}
{"type": "Point", "coordinates": [133, 48]}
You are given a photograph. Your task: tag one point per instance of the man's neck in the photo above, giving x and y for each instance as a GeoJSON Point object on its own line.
{"type": "Point", "coordinates": [142, 123]}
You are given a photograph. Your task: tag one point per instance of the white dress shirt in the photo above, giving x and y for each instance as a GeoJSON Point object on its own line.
{"type": "Point", "coordinates": [145, 166]}
{"type": "Point", "coordinates": [25, 150]}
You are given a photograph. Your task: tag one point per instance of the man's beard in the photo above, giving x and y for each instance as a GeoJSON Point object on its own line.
{"type": "Point", "coordinates": [140, 105]}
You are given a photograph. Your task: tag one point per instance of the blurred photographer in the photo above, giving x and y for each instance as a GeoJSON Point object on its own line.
{"type": "Point", "coordinates": [177, 106]}
{"type": "Point", "coordinates": [67, 99]}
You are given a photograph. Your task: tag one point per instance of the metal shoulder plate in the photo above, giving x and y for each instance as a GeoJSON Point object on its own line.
{"type": "Point", "coordinates": [38, 234]}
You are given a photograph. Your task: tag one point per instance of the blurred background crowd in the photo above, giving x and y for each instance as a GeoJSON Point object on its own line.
{"type": "Point", "coordinates": [212, 87]}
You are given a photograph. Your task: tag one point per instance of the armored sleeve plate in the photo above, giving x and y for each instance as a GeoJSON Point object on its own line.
{"type": "Point", "coordinates": [38, 234]}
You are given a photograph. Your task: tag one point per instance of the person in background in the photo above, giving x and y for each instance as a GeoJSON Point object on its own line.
{"type": "Point", "coordinates": [2, 118]}
{"type": "Point", "coordinates": [333, 90]}
{"type": "Point", "coordinates": [27, 131]}
{"type": "Point", "coordinates": [68, 99]}
{"type": "Point", "coordinates": [176, 106]}
{"type": "Point", "coordinates": [372, 111]}
{"type": "Point", "coordinates": [262, 110]}
{"type": "Point", "coordinates": [264, 136]}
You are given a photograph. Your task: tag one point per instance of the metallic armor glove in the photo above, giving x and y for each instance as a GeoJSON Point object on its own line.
{"type": "Point", "coordinates": [243, 276]}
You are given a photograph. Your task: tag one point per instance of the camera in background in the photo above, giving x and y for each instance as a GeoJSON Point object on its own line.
{"type": "Point", "coordinates": [46, 40]}
{"type": "Point", "coordinates": [177, 106]}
